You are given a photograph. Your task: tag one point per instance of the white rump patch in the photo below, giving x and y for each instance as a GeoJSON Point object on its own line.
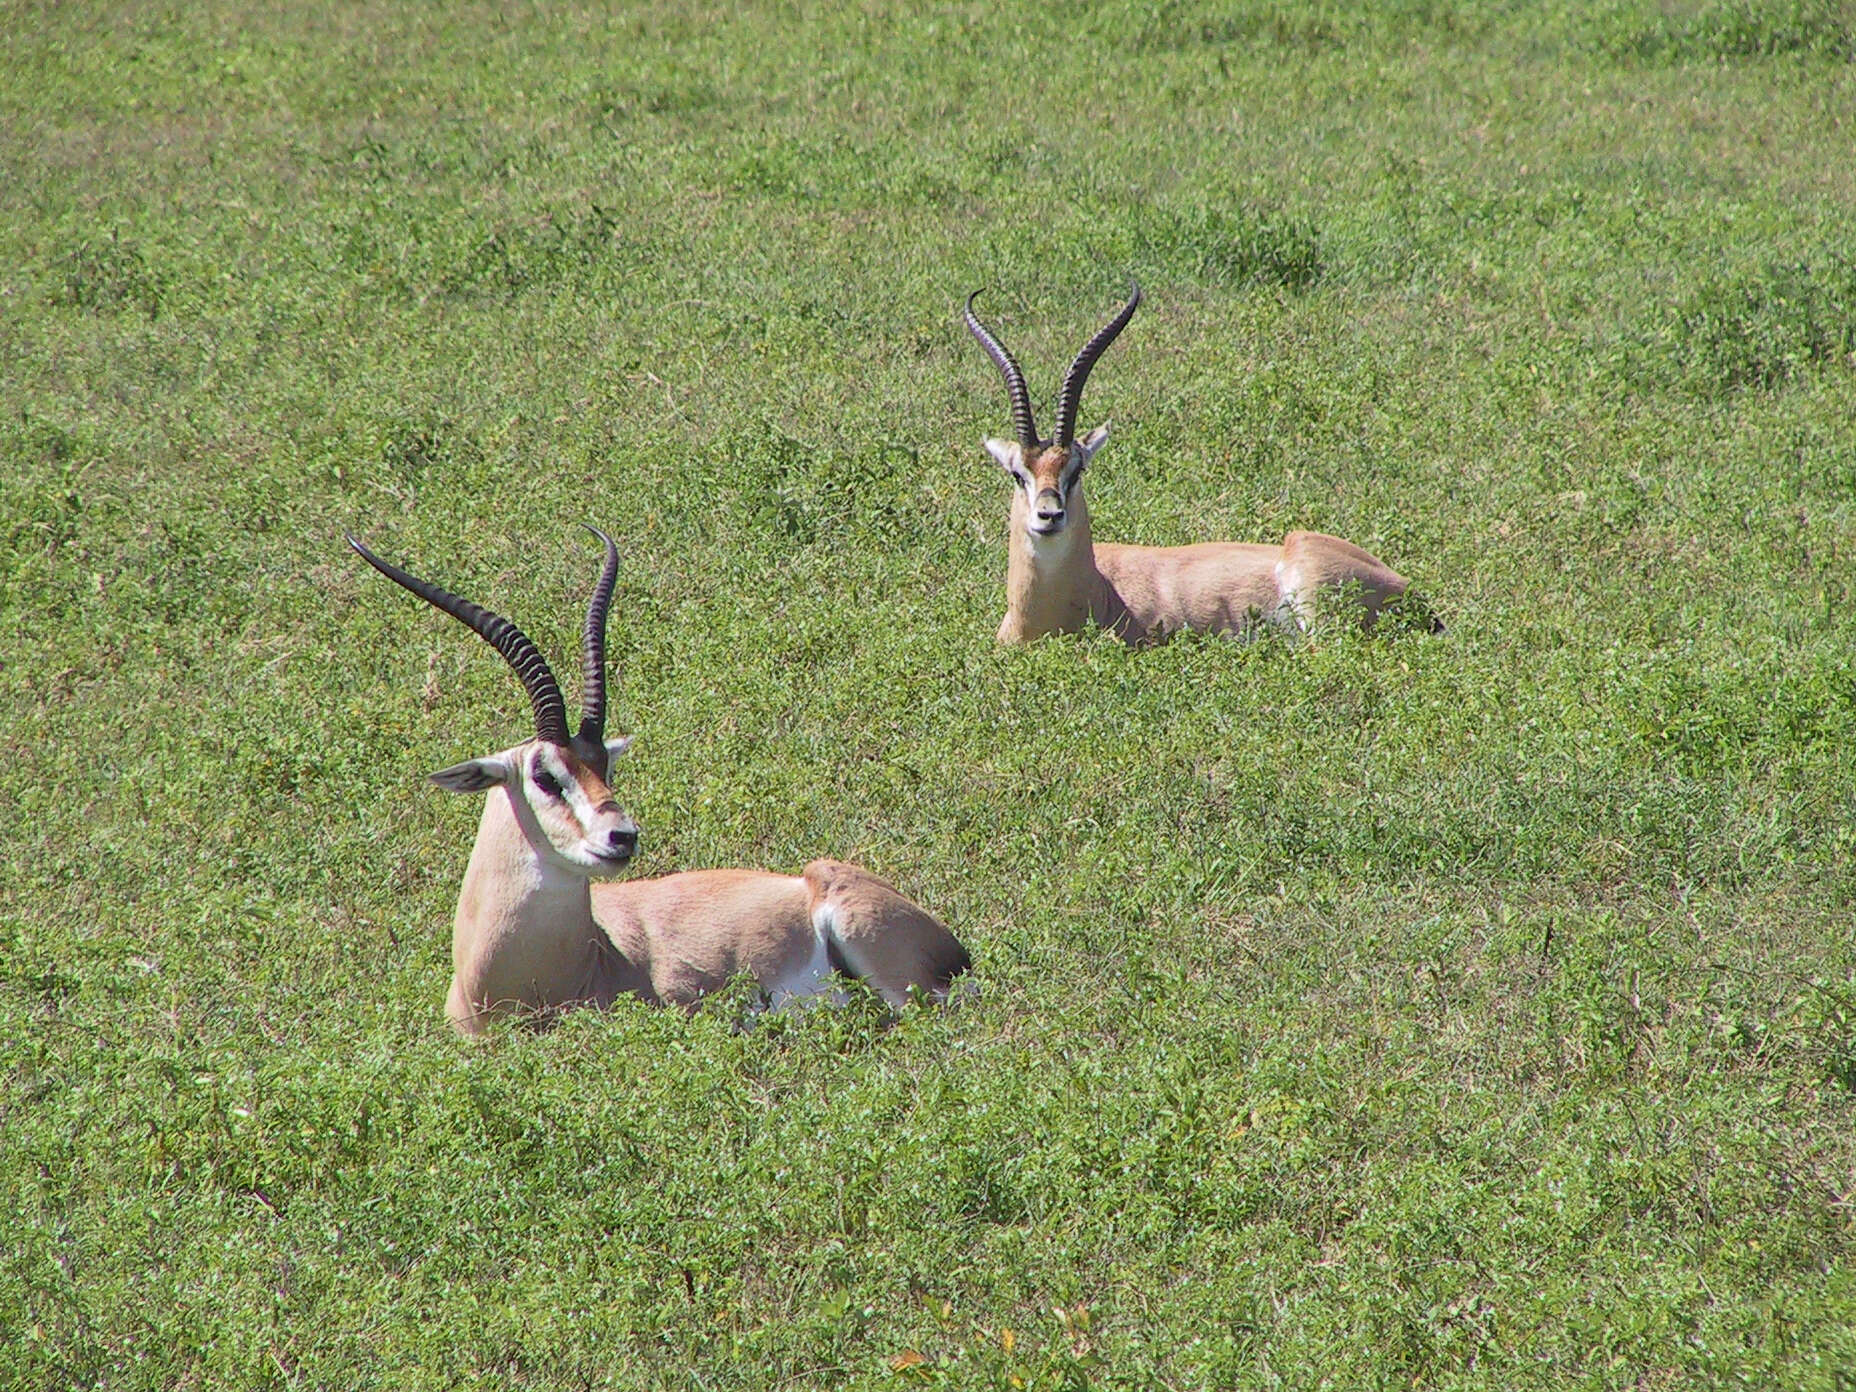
{"type": "Point", "coordinates": [811, 976]}
{"type": "Point", "coordinates": [1297, 606]}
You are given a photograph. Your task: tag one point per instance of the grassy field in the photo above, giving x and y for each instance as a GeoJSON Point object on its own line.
{"type": "Point", "coordinates": [1475, 1011]}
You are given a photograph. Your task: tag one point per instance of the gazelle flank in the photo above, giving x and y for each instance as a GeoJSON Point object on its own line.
{"type": "Point", "coordinates": [541, 928]}
{"type": "Point", "coordinates": [1058, 580]}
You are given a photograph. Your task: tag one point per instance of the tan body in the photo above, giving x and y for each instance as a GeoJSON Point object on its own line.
{"type": "Point", "coordinates": [1060, 583]}
{"type": "Point", "coordinates": [533, 935]}
{"type": "Point", "coordinates": [541, 925]}
{"type": "Point", "coordinates": [1058, 580]}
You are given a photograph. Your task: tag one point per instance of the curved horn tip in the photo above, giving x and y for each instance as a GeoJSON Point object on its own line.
{"type": "Point", "coordinates": [364, 552]}
{"type": "Point", "coordinates": [601, 535]}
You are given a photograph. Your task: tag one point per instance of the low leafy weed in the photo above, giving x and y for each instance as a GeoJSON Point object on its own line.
{"type": "Point", "coordinates": [107, 274]}
{"type": "Point", "coordinates": [1760, 330]}
{"type": "Point", "coordinates": [1721, 30]}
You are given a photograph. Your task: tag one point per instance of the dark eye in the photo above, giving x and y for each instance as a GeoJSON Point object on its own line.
{"type": "Point", "coordinates": [548, 783]}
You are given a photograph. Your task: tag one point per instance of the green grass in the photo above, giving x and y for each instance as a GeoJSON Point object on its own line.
{"type": "Point", "coordinates": [1474, 1012]}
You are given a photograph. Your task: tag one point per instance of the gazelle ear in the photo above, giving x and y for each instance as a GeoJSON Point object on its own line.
{"type": "Point", "coordinates": [1090, 443]}
{"type": "Point", "coordinates": [617, 746]}
{"type": "Point", "coordinates": [1009, 454]}
{"type": "Point", "coordinates": [472, 776]}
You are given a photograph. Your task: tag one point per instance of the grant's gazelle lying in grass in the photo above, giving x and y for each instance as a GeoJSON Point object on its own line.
{"type": "Point", "coordinates": [1058, 580]}
{"type": "Point", "coordinates": [538, 927]}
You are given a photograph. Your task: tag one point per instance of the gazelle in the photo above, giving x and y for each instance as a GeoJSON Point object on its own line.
{"type": "Point", "coordinates": [540, 929]}
{"type": "Point", "coordinates": [1058, 579]}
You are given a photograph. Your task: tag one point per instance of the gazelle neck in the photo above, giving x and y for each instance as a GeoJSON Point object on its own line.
{"type": "Point", "coordinates": [1050, 582]}
{"type": "Point", "coordinates": [525, 929]}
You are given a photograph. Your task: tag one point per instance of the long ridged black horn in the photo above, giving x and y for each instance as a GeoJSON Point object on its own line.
{"type": "Point", "coordinates": [1070, 396]}
{"type": "Point", "coordinates": [593, 645]}
{"type": "Point", "coordinates": [544, 693]}
{"type": "Point", "coordinates": [1014, 377]}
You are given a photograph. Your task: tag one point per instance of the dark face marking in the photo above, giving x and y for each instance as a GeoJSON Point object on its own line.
{"type": "Point", "coordinates": [578, 812]}
{"type": "Point", "coordinates": [1051, 470]}
{"type": "Point", "coordinates": [593, 754]}
{"type": "Point", "coordinates": [543, 778]}
{"type": "Point", "coordinates": [579, 772]}
{"type": "Point", "coordinates": [1046, 480]}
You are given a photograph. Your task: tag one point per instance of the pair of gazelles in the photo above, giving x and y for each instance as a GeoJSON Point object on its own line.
{"type": "Point", "coordinates": [540, 927]}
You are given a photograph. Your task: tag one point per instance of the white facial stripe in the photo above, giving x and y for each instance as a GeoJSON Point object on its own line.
{"type": "Point", "coordinates": [583, 805]}
{"type": "Point", "coordinates": [572, 794]}
{"type": "Point", "coordinates": [594, 820]}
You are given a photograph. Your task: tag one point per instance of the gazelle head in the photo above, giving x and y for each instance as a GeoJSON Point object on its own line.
{"type": "Point", "coordinates": [557, 783]}
{"type": "Point", "coordinates": [1045, 471]}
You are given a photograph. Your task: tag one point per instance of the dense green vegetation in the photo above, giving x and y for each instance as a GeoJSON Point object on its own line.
{"type": "Point", "coordinates": [1471, 1011]}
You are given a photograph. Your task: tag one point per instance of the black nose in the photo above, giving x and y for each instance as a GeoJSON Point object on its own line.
{"type": "Point", "coordinates": [624, 840]}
